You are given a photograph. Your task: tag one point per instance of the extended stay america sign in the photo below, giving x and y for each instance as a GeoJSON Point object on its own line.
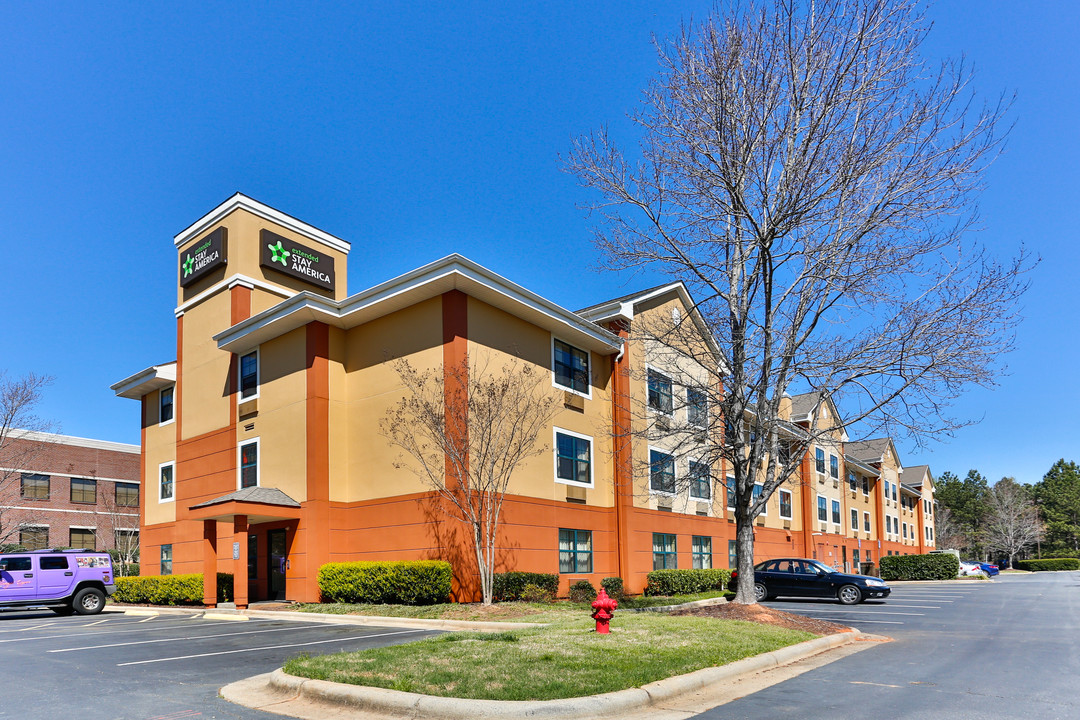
{"type": "Point", "coordinates": [203, 257]}
{"type": "Point", "coordinates": [296, 260]}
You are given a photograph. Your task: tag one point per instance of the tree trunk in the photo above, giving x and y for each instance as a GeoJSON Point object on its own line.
{"type": "Point", "coordinates": [744, 544]}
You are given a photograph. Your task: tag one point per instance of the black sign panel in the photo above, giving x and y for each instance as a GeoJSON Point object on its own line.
{"type": "Point", "coordinates": [296, 260]}
{"type": "Point", "coordinates": [204, 257]}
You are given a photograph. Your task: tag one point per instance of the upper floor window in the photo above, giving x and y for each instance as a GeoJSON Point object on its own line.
{"type": "Point", "coordinates": [571, 367]}
{"type": "Point", "coordinates": [852, 481]}
{"type": "Point", "coordinates": [756, 495]}
{"type": "Point", "coordinates": [822, 508]}
{"type": "Point", "coordinates": [165, 482]}
{"type": "Point", "coordinates": [249, 375]}
{"type": "Point", "coordinates": [573, 458]}
{"type": "Point", "coordinates": [165, 412]}
{"type": "Point", "coordinates": [854, 519]}
{"type": "Point", "coordinates": [819, 460]}
{"type": "Point", "coordinates": [894, 492]}
{"type": "Point", "coordinates": [785, 504]}
{"type": "Point", "coordinates": [249, 463]}
{"type": "Point", "coordinates": [834, 467]}
{"type": "Point", "coordinates": [659, 392]}
{"type": "Point", "coordinates": [35, 487]}
{"type": "Point", "coordinates": [700, 481]}
{"type": "Point", "coordinates": [836, 512]}
{"type": "Point", "coordinates": [730, 493]}
{"type": "Point", "coordinates": [661, 471]}
{"type": "Point", "coordinates": [127, 494]}
{"type": "Point", "coordinates": [866, 521]}
{"type": "Point", "coordinates": [697, 409]}
{"type": "Point", "coordinates": [866, 486]}
{"type": "Point", "coordinates": [83, 491]}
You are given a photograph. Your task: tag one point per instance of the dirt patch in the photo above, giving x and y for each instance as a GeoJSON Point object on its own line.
{"type": "Point", "coordinates": [765, 616]}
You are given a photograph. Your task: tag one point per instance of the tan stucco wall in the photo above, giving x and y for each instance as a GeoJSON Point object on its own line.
{"type": "Point", "coordinates": [159, 447]}
{"type": "Point", "coordinates": [204, 387]}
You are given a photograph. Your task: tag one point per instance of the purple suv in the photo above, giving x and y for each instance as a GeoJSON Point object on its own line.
{"type": "Point", "coordinates": [65, 581]}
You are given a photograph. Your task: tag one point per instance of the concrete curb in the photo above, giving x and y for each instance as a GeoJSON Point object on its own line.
{"type": "Point", "coordinates": [668, 608]}
{"type": "Point", "coordinates": [275, 688]}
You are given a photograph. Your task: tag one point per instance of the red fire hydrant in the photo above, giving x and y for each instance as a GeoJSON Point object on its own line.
{"type": "Point", "coordinates": [603, 609]}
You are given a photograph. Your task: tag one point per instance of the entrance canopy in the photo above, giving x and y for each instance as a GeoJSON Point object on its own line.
{"type": "Point", "coordinates": [258, 504]}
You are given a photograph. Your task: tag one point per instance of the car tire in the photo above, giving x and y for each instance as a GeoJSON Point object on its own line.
{"type": "Point", "coordinates": [761, 593]}
{"type": "Point", "coordinates": [89, 601]}
{"type": "Point", "coordinates": [849, 595]}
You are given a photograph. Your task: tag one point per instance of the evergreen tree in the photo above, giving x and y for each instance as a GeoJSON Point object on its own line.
{"type": "Point", "coordinates": [1058, 496]}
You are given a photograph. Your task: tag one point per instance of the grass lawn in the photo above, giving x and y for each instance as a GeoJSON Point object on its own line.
{"type": "Point", "coordinates": [564, 659]}
{"type": "Point", "coordinates": [512, 611]}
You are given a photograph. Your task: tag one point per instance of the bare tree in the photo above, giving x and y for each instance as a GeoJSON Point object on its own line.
{"type": "Point", "coordinates": [1012, 521]}
{"type": "Point", "coordinates": [19, 398]}
{"type": "Point", "coordinates": [117, 526]}
{"type": "Point", "coordinates": [466, 431]}
{"type": "Point", "coordinates": [811, 179]}
{"type": "Point", "coordinates": [948, 533]}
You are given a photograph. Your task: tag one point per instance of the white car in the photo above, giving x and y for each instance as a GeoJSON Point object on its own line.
{"type": "Point", "coordinates": [968, 568]}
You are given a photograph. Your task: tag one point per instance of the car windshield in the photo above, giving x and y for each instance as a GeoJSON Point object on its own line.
{"type": "Point", "coordinates": [813, 566]}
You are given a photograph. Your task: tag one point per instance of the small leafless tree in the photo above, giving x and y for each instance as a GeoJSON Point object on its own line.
{"type": "Point", "coordinates": [811, 179]}
{"type": "Point", "coordinates": [948, 534]}
{"type": "Point", "coordinates": [1012, 522]}
{"type": "Point", "coordinates": [19, 398]}
{"type": "Point", "coordinates": [466, 431]}
{"type": "Point", "coordinates": [117, 526]}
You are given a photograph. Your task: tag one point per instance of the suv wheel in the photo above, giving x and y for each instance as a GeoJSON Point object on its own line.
{"type": "Point", "coordinates": [849, 595]}
{"type": "Point", "coordinates": [89, 601]}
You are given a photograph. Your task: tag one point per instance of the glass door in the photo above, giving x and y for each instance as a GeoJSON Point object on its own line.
{"type": "Point", "coordinates": [277, 555]}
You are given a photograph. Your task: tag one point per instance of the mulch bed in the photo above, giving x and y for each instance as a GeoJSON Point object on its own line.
{"type": "Point", "coordinates": [765, 616]}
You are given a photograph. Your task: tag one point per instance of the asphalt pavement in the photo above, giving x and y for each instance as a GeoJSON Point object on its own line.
{"type": "Point", "coordinates": [1003, 649]}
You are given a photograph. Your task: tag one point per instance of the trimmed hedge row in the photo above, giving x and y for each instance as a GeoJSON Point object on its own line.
{"type": "Point", "coordinates": [1048, 564]}
{"type": "Point", "coordinates": [686, 582]}
{"type": "Point", "coordinates": [510, 585]}
{"type": "Point", "coordinates": [939, 566]}
{"type": "Point", "coordinates": [170, 589]}
{"type": "Point", "coordinates": [403, 582]}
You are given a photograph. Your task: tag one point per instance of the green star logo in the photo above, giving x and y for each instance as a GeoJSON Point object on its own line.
{"type": "Point", "coordinates": [189, 265]}
{"type": "Point", "coordinates": [280, 253]}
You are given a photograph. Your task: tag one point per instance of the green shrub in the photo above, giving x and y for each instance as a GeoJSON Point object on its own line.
{"type": "Point", "coordinates": [1047, 564]}
{"type": "Point", "coordinates": [937, 566]}
{"type": "Point", "coordinates": [537, 594]}
{"type": "Point", "coordinates": [510, 585]}
{"type": "Point", "coordinates": [582, 592]}
{"type": "Point", "coordinates": [686, 582]}
{"type": "Point", "coordinates": [613, 586]}
{"type": "Point", "coordinates": [402, 582]}
{"type": "Point", "coordinates": [170, 589]}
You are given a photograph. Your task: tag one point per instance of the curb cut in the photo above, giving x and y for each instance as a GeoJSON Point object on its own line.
{"type": "Point", "coordinates": [275, 688]}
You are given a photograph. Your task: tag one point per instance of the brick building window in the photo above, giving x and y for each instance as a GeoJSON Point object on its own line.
{"type": "Point", "coordinates": [701, 552]}
{"type": "Point", "coordinates": [664, 554]}
{"type": "Point", "coordinates": [35, 487]}
{"type": "Point", "coordinates": [127, 494]}
{"type": "Point", "coordinates": [166, 559]}
{"type": "Point", "coordinates": [83, 538]}
{"type": "Point", "coordinates": [83, 491]}
{"type": "Point", "coordinates": [575, 551]}
{"type": "Point", "coordinates": [34, 538]}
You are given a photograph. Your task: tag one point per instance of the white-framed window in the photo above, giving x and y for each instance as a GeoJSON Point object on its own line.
{"type": "Point", "coordinates": [730, 492]}
{"type": "Point", "coordinates": [570, 368]}
{"type": "Point", "coordinates": [660, 397]}
{"type": "Point", "coordinates": [166, 482]}
{"type": "Point", "coordinates": [573, 458]}
{"type": "Point", "coordinates": [905, 531]}
{"type": "Point", "coordinates": [836, 512]}
{"type": "Point", "coordinates": [247, 464]}
{"type": "Point", "coordinates": [854, 519]}
{"type": "Point", "coordinates": [697, 408]}
{"type": "Point", "coordinates": [834, 467]}
{"type": "Point", "coordinates": [785, 504]}
{"type": "Point", "coordinates": [822, 508]}
{"type": "Point", "coordinates": [248, 369]}
{"type": "Point", "coordinates": [700, 480]}
{"type": "Point", "coordinates": [165, 405]}
{"type": "Point", "coordinates": [866, 486]}
{"type": "Point", "coordinates": [866, 521]}
{"type": "Point", "coordinates": [661, 472]}
{"type": "Point", "coordinates": [819, 460]}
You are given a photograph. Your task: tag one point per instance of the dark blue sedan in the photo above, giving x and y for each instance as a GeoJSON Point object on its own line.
{"type": "Point", "coordinates": [800, 577]}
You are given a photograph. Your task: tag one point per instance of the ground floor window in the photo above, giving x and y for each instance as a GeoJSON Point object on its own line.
{"type": "Point", "coordinates": [575, 551]}
{"type": "Point", "coordinates": [701, 552]}
{"type": "Point", "coordinates": [664, 554]}
{"type": "Point", "coordinates": [166, 559]}
{"type": "Point", "coordinates": [34, 538]}
{"type": "Point", "coordinates": [855, 557]}
{"type": "Point", "coordinates": [732, 554]}
{"type": "Point", "coordinates": [253, 557]}
{"type": "Point", "coordinates": [82, 538]}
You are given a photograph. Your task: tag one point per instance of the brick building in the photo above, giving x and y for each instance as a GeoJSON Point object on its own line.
{"type": "Point", "coordinates": [58, 490]}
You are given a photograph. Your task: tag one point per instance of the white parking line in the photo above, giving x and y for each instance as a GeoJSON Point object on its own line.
{"type": "Point", "coordinates": [854, 611]}
{"type": "Point", "coordinates": [96, 623]}
{"type": "Point", "coordinates": [270, 647]}
{"type": "Point", "coordinates": [190, 637]}
{"type": "Point", "coordinates": [35, 627]}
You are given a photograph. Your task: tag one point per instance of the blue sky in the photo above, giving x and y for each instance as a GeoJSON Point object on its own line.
{"type": "Point", "coordinates": [417, 129]}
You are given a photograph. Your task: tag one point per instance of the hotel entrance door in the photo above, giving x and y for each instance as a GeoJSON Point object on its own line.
{"type": "Point", "coordinates": [277, 555]}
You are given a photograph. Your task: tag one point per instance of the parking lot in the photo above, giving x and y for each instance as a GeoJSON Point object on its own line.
{"type": "Point", "coordinates": [159, 667]}
{"type": "Point", "coordinates": [911, 605]}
